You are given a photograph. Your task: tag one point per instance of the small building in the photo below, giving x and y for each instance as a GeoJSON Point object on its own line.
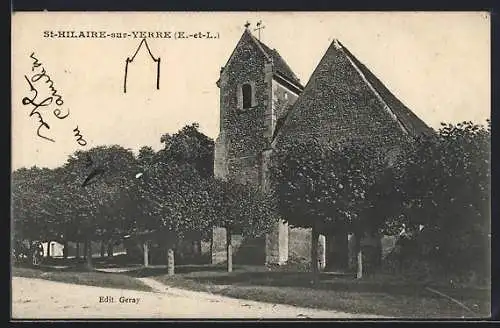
{"type": "Point", "coordinates": [56, 249]}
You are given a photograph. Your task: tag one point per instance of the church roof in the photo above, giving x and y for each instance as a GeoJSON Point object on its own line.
{"type": "Point", "coordinates": [281, 68]}
{"type": "Point", "coordinates": [411, 122]}
{"type": "Point", "coordinates": [280, 64]}
{"type": "Point", "coordinates": [344, 95]}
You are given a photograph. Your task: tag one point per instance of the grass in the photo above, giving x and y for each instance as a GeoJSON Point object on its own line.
{"type": "Point", "coordinates": [78, 276]}
{"type": "Point", "coordinates": [384, 296]}
{"type": "Point", "coordinates": [388, 295]}
{"type": "Point", "coordinates": [115, 261]}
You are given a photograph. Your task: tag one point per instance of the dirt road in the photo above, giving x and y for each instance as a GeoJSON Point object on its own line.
{"type": "Point", "coordinates": [42, 299]}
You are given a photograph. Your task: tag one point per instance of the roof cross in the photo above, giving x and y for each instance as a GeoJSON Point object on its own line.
{"type": "Point", "coordinates": [259, 27]}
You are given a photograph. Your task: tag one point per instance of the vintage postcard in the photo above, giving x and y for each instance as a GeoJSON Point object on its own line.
{"type": "Point", "coordinates": [257, 165]}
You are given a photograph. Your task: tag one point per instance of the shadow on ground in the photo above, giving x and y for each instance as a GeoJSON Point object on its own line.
{"type": "Point", "coordinates": [263, 276]}
{"type": "Point", "coordinates": [249, 277]}
{"type": "Point", "coordinates": [80, 265]}
{"type": "Point", "coordinates": [161, 270]}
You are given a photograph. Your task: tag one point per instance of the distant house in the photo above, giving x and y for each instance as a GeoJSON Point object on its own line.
{"type": "Point", "coordinates": [56, 249]}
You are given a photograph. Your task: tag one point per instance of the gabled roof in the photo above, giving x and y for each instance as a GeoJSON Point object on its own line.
{"type": "Point", "coordinates": [281, 68]}
{"type": "Point", "coordinates": [411, 122]}
{"type": "Point", "coordinates": [343, 93]}
{"type": "Point", "coordinates": [280, 64]}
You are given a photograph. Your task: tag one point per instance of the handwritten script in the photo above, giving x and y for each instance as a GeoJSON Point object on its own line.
{"type": "Point", "coordinates": [43, 97]}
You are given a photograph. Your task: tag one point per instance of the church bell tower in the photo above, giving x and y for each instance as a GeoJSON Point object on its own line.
{"type": "Point", "coordinates": [250, 84]}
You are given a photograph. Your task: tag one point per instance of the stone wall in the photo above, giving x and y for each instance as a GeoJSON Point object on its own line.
{"type": "Point", "coordinates": [300, 243]}
{"type": "Point", "coordinates": [245, 250]}
{"type": "Point", "coordinates": [245, 134]}
{"type": "Point", "coordinates": [299, 247]}
{"type": "Point", "coordinates": [375, 249]}
{"type": "Point", "coordinates": [277, 244]}
{"type": "Point", "coordinates": [218, 247]}
{"type": "Point", "coordinates": [220, 157]}
{"type": "Point", "coordinates": [283, 99]}
{"type": "Point", "coordinates": [244, 128]}
{"type": "Point", "coordinates": [245, 169]}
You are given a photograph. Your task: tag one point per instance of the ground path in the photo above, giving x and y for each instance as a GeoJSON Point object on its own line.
{"type": "Point", "coordinates": [43, 299]}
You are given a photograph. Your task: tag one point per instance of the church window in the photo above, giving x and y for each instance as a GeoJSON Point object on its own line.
{"type": "Point", "coordinates": [246, 91]}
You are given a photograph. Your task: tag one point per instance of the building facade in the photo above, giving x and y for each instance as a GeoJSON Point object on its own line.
{"type": "Point", "coordinates": [264, 104]}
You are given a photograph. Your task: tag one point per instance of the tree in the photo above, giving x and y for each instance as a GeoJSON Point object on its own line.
{"type": "Point", "coordinates": [239, 208]}
{"type": "Point", "coordinates": [174, 198]}
{"type": "Point", "coordinates": [189, 145]}
{"type": "Point", "coordinates": [178, 199]}
{"type": "Point", "coordinates": [34, 218]}
{"type": "Point", "coordinates": [146, 155]}
{"type": "Point", "coordinates": [443, 184]}
{"type": "Point", "coordinates": [173, 186]}
{"type": "Point", "coordinates": [25, 196]}
{"type": "Point", "coordinates": [320, 186]}
{"type": "Point", "coordinates": [97, 186]}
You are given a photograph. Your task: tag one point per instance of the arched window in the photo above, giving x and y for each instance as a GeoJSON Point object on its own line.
{"type": "Point", "coordinates": [246, 90]}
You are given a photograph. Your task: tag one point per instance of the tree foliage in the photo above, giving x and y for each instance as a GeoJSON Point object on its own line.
{"type": "Point", "coordinates": [241, 208]}
{"type": "Point", "coordinates": [189, 145]}
{"type": "Point", "coordinates": [435, 189]}
{"type": "Point", "coordinates": [55, 203]}
{"type": "Point", "coordinates": [443, 184]}
{"type": "Point", "coordinates": [98, 182]}
{"type": "Point", "coordinates": [318, 184]}
{"type": "Point", "coordinates": [33, 214]}
{"type": "Point", "coordinates": [173, 197]}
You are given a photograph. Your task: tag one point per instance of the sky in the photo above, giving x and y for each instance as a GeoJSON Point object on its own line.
{"type": "Point", "coordinates": [437, 64]}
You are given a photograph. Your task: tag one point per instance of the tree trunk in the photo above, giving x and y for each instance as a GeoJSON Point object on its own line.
{"type": "Point", "coordinates": [34, 254]}
{"type": "Point", "coordinates": [170, 262]}
{"type": "Point", "coordinates": [85, 247]}
{"type": "Point", "coordinates": [196, 250]}
{"type": "Point", "coordinates": [110, 249]}
{"type": "Point", "coordinates": [343, 250]}
{"type": "Point", "coordinates": [88, 253]}
{"type": "Point", "coordinates": [337, 258]}
{"type": "Point", "coordinates": [65, 249]}
{"type": "Point", "coordinates": [77, 256]}
{"type": "Point", "coordinates": [322, 252]}
{"type": "Point", "coordinates": [229, 250]}
{"type": "Point", "coordinates": [199, 251]}
{"type": "Point", "coordinates": [48, 249]}
{"type": "Point", "coordinates": [103, 249]}
{"type": "Point", "coordinates": [198, 245]}
{"type": "Point", "coordinates": [314, 254]}
{"type": "Point", "coordinates": [145, 247]}
{"type": "Point", "coordinates": [359, 253]}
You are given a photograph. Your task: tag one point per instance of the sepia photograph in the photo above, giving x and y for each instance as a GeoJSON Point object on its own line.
{"type": "Point", "coordinates": [250, 165]}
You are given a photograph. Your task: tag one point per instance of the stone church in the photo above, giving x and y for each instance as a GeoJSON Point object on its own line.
{"type": "Point", "coordinates": [263, 103]}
